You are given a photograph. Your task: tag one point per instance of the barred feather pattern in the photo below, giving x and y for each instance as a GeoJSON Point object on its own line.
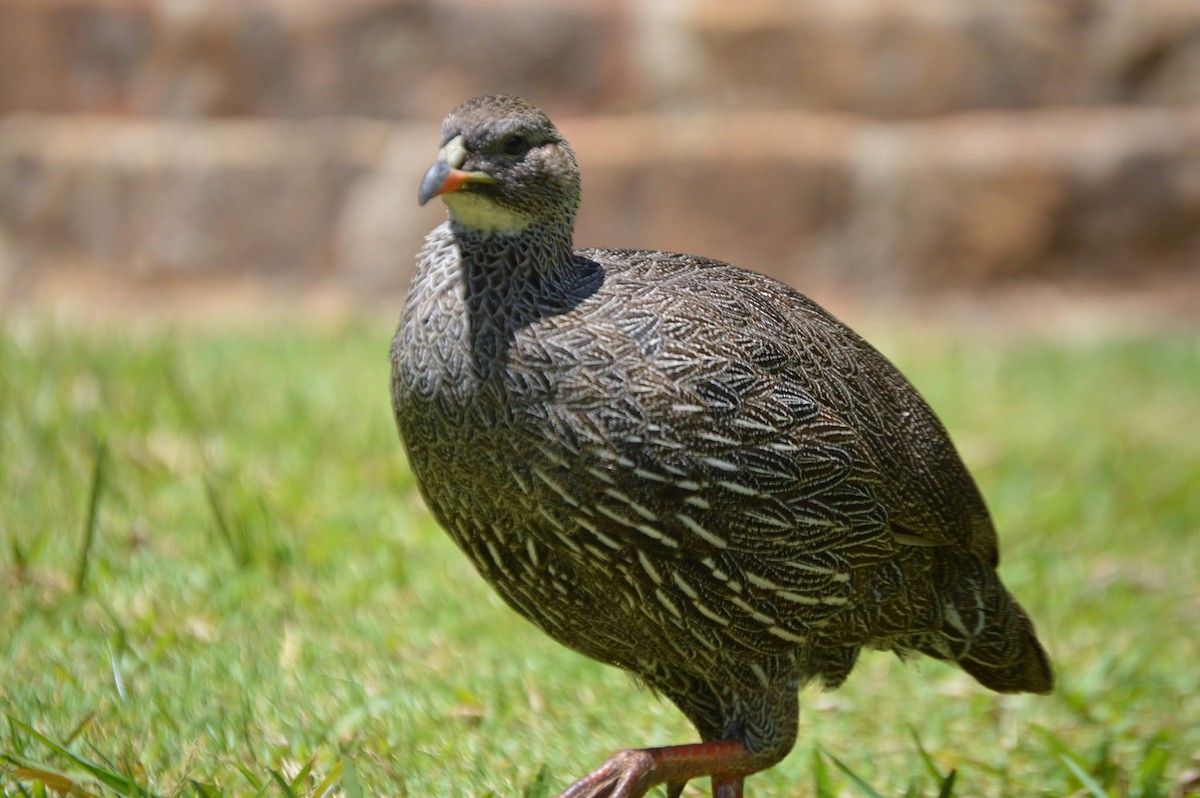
{"type": "Point", "coordinates": [692, 472]}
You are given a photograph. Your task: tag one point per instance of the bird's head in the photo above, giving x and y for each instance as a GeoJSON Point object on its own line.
{"type": "Point", "coordinates": [503, 168]}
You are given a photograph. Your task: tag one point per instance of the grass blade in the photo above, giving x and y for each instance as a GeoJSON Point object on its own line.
{"type": "Point", "coordinates": [80, 728]}
{"type": "Point", "coordinates": [223, 528]}
{"type": "Point", "coordinates": [329, 782]}
{"type": "Point", "coordinates": [58, 782]}
{"type": "Point", "coordinates": [859, 782]}
{"type": "Point", "coordinates": [99, 460]}
{"type": "Point", "coordinates": [540, 786]}
{"type": "Point", "coordinates": [205, 790]}
{"type": "Point", "coordinates": [1152, 771]}
{"type": "Point", "coordinates": [947, 788]}
{"type": "Point", "coordinates": [945, 783]}
{"type": "Point", "coordinates": [297, 783]}
{"type": "Point", "coordinates": [822, 784]}
{"type": "Point", "coordinates": [117, 782]}
{"type": "Point", "coordinates": [255, 782]}
{"type": "Point", "coordinates": [930, 765]}
{"type": "Point", "coordinates": [283, 784]}
{"type": "Point", "coordinates": [350, 786]}
{"type": "Point", "coordinates": [1089, 784]}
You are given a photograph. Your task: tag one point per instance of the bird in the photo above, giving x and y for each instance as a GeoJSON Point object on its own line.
{"type": "Point", "coordinates": [679, 467]}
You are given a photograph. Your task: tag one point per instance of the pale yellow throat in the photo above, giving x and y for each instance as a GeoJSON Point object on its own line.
{"type": "Point", "coordinates": [477, 213]}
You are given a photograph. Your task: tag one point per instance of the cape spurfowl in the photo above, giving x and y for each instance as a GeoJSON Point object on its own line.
{"type": "Point", "coordinates": [679, 467]}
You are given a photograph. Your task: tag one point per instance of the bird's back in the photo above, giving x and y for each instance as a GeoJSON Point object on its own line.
{"type": "Point", "coordinates": [755, 322]}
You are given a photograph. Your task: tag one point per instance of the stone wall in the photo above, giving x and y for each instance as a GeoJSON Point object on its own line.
{"type": "Point", "coordinates": [882, 144]}
{"type": "Point", "coordinates": [414, 58]}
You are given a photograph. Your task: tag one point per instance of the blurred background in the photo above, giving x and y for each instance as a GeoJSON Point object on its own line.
{"type": "Point", "coordinates": [182, 155]}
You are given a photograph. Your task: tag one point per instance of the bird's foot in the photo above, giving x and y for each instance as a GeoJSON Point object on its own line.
{"type": "Point", "coordinates": [631, 773]}
{"type": "Point", "coordinates": [626, 774]}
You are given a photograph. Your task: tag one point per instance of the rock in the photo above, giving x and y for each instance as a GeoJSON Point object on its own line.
{"type": "Point", "coordinates": [379, 227]}
{"type": "Point", "coordinates": [142, 200]}
{"type": "Point", "coordinates": [964, 200]}
{"type": "Point", "coordinates": [887, 58]}
{"type": "Point", "coordinates": [409, 59]}
{"type": "Point", "coordinates": [957, 201]}
{"type": "Point", "coordinates": [391, 58]}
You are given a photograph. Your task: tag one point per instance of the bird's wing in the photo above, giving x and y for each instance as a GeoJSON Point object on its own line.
{"type": "Point", "coordinates": [748, 373]}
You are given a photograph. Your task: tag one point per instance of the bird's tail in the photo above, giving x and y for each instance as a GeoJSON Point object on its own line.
{"type": "Point", "coordinates": [983, 629]}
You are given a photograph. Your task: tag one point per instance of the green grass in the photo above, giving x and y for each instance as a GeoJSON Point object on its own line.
{"type": "Point", "coordinates": [217, 578]}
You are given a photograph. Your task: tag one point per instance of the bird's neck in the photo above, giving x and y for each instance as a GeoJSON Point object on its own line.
{"type": "Point", "coordinates": [511, 281]}
{"type": "Point", "coordinates": [500, 263]}
{"type": "Point", "coordinates": [499, 269]}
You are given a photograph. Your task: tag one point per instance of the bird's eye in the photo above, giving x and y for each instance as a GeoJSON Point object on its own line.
{"type": "Point", "coordinates": [515, 144]}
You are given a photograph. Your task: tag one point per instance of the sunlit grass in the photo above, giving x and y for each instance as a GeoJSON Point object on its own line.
{"type": "Point", "coordinates": [257, 603]}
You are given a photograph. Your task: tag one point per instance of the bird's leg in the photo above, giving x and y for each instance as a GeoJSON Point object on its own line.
{"type": "Point", "coordinates": [631, 773]}
{"type": "Point", "coordinates": [727, 788]}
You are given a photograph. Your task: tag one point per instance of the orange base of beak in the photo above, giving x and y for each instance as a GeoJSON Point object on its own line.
{"type": "Point", "coordinates": [440, 178]}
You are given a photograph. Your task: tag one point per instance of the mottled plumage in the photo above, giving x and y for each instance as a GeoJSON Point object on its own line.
{"type": "Point", "coordinates": [679, 467]}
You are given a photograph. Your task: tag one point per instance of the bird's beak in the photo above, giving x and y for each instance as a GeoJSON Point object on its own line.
{"type": "Point", "coordinates": [445, 175]}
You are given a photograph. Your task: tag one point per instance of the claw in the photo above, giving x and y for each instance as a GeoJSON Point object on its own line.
{"type": "Point", "coordinates": [626, 774]}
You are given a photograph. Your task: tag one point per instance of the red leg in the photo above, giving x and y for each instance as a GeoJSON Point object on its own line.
{"type": "Point", "coordinates": [630, 774]}
{"type": "Point", "coordinates": [727, 788]}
